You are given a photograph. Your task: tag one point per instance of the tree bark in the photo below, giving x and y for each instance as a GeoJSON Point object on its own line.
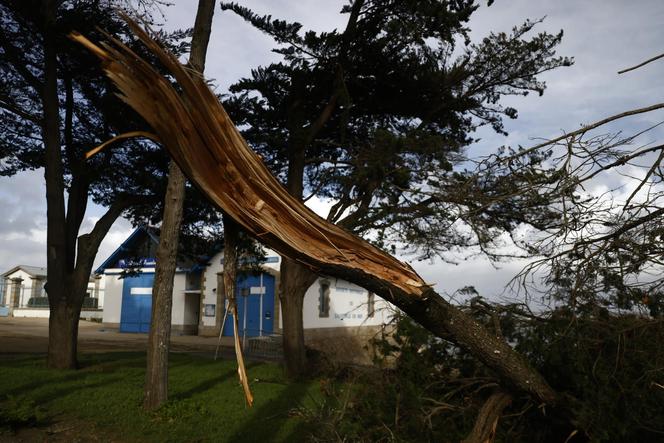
{"type": "Point", "coordinates": [61, 347]}
{"type": "Point", "coordinates": [203, 140]}
{"type": "Point", "coordinates": [67, 292]}
{"type": "Point", "coordinates": [63, 335]}
{"type": "Point", "coordinates": [230, 260]}
{"type": "Point", "coordinates": [294, 282]}
{"type": "Point", "coordinates": [156, 379]}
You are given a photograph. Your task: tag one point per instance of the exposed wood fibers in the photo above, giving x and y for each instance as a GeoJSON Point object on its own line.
{"type": "Point", "coordinates": [195, 129]}
{"type": "Point", "coordinates": [199, 135]}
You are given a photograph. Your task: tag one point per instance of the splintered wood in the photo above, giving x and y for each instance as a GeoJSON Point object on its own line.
{"type": "Point", "coordinates": [195, 129]}
{"type": "Point", "coordinates": [197, 132]}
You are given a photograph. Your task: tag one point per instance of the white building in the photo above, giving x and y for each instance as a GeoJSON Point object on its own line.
{"type": "Point", "coordinates": [128, 276]}
{"type": "Point", "coordinates": [332, 307]}
{"type": "Point", "coordinates": [23, 294]}
{"type": "Point", "coordinates": [329, 303]}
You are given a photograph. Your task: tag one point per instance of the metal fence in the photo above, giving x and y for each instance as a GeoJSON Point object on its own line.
{"type": "Point", "coordinates": [265, 347]}
{"type": "Point", "coordinates": [18, 296]}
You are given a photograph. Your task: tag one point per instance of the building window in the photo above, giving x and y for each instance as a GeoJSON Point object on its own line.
{"type": "Point", "coordinates": [209, 310]}
{"type": "Point", "coordinates": [324, 299]}
{"type": "Point", "coordinates": [371, 304]}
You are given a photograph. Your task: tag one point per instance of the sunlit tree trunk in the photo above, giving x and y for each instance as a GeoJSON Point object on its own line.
{"type": "Point", "coordinates": [156, 379]}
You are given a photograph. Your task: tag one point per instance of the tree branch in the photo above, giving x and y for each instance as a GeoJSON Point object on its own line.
{"type": "Point", "coordinates": [131, 134]}
{"type": "Point", "coordinates": [584, 129]}
{"type": "Point", "coordinates": [6, 103]}
{"type": "Point", "coordinates": [88, 244]}
{"type": "Point", "coordinates": [13, 54]}
{"type": "Point", "coordinates": [650, 60]}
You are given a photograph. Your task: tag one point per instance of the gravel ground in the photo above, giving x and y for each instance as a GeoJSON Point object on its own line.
{"type": "Point", "coordinates": [30, 335]}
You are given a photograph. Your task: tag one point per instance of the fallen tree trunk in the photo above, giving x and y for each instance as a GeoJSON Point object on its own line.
{"type": "Point", "coordinates": [195, 129]}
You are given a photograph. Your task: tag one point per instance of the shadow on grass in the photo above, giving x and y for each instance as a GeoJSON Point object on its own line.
{"type": "Point", "coordinates": [208, 384]}
{"type": "Point", "coordinates": [268, 419]}
{"type": "Point", "coordinates": [71, 388]}
{"type": "Point", "coordinates": [89, 366]}
{"type": "Point", "coordinates": [109, 386]}
{"type": "Point", "coordinates": [122, 359]}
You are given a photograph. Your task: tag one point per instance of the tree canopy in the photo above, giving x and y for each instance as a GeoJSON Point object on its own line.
{"type": "Point", "coordinates": [386, 109]}
{"type": "Point", "coordinates": [56, 104]}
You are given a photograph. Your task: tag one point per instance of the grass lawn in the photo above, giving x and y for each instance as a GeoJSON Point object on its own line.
{"type": "Point", "coordinates": [206, 402]}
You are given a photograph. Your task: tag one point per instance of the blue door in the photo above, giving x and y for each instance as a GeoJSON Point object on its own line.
{"type": "Point", "coordinates": [136, 303]}
{"type": "Point", "coordinates": [255, 305]}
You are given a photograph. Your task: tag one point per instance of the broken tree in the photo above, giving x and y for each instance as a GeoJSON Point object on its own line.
{"type": "Point", "coordinates": [195, 129]}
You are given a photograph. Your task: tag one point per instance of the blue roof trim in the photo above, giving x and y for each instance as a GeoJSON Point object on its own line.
{"type": "Point", "coordinates": [122, 248]}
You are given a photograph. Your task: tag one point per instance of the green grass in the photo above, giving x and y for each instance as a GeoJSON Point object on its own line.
{"type": "Point", "coordinates": [206, 402]}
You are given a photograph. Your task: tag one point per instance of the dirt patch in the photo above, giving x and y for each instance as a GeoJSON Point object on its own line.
{"type": "Point", "coordinates": [30, 336]}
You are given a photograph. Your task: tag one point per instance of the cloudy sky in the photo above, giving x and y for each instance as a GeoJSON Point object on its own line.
{"type": "Point", "coordinates": [603, 36]}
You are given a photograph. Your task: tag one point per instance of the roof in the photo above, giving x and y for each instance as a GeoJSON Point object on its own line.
{"type": "Point", "coordinates": [126, 246]}
{"type": "Point", "coordinates": [34, 271]}
{"type": "Point", "coordinates": [140, 234]}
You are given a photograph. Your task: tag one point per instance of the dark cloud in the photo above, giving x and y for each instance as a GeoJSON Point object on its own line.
{"type": "Point", "coordinates": [604, 36]}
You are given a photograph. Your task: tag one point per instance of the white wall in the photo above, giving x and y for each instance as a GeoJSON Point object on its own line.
{"type": "Point", "coordinates": [348, 302]}
{"type": "Point", "coordinates": [113, 299]}
{"type": "Point", "coordinates": [96, 291]}
{"type": "Point", "coordinates": [210, 287]}
{"type": "Point", "coordinates": [102, 291]}
{"type": "Point", "coordinates": [348, 306]}
{"type": "Point", "coordinates": [45, 313]}
{"type": "Point", "coordinates": [32, 313]}
{"type": "Point", "coordinates": [177, 313]}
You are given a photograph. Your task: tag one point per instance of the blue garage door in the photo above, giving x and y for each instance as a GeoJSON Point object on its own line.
{"type": "Point", "coordinates": [136, 303]}
{"type": "Point", "coordinates": [255, 305]}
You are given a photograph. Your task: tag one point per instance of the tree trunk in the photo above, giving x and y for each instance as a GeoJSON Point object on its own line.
{"type": "Point", "coordinates": [203, 140]}
{"type": "Point", "coordinates": [293, 279]}
{"type": "Point", "coordinates": [156, 379]}
{"type": "Point", "coordinates": [65, 301]}
{"type": "Point", "coordinates": [61, 344]}
{"type": "Point", "coordinates": [294, 282]}
{"type": "Point", "coordinates": [68, 268]}
{"type": "Point", "coordinates": [296, 279]}
{"type": "Point", "coordinates": [63, 335]}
